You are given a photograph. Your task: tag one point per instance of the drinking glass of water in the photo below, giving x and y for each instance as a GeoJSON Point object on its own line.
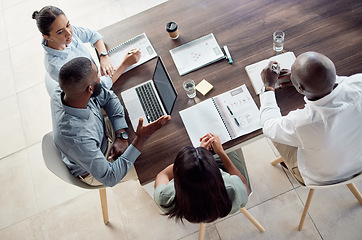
{"type": "Point", "coordinates": [189, 86]}
{"type": "Point", "coordinates": [278, 41]}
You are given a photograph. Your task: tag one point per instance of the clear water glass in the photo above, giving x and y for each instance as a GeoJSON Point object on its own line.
{"type": "Point", "coordinates": [189, 86]}
{"type": "Point", "coordinates": [278, 41]}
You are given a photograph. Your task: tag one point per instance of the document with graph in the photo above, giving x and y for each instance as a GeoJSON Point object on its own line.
{"type": "Point", "coordinates": [196, 54]}
{"type": "Point", "coordinates": [141, 42]}
{"type": "Point", "coordinates": [228, 115]}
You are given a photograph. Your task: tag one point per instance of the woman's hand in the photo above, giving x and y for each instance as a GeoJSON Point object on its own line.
{"type": "Point", "coordinates": [212, 142]}
{"type": "Point", "coordinates": [206, 141]}
{"type": "Point", "coordinates": [106, 66]}
{"type": "Point", "coordinates": [132, 57]}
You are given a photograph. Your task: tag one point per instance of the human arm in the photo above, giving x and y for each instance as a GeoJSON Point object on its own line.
{"type": "Point", "coordinates": [145, 132]}
{"type": "Point", "coordinates": [132, 57]}
{"type": "Point", "coordinates": [277, 128]}
{"type": "Point", "coordinates": [107, 67]}
{"type": "Point", "coordinates": [164, 177]}
{"type": "Point", "coordinates": [119, 145]}
{"type": "Point", "coordinates": [213, 141]}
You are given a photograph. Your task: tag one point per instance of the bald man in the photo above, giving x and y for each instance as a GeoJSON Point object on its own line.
{"type": "Point", "coordinates": [321, 143]}
{"type": "Point", "coordinates": [94, 149]}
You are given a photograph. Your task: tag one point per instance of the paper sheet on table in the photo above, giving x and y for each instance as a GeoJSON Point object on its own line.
{"type": "Point", "coordinates": [285, 61]}
{"type": "Point", "coordinates": [196, 54]}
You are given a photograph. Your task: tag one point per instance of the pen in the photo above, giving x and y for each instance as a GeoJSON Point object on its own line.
{"type": "Point", "coordinates": [275, 68]}
{"type": "Point", "coordinates": [237, 123]}
{"type": "Point", "coordinates": [229, 110]}
{"type": "Point", "coordinates": [228, 56]}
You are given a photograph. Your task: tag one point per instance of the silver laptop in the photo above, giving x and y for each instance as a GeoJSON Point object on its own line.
{"type": "Point", "coordinates": [151, 99]}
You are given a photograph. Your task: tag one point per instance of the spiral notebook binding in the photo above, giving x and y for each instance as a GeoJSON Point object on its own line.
{"type": "Point", "coordinates": [223, 118]}
{"type": "Point", "coordinates": [143, 35]}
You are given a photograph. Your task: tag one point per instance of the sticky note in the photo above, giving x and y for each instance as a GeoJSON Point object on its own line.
{"type": "Point", "coordinates": [204, 87]}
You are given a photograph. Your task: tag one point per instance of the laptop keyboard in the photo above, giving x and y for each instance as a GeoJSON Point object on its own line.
{"type": "Point", "coordinates": [149, 102]}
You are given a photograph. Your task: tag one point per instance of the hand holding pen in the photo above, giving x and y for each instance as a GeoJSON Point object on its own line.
{"type": "Point", "coordinates": [132, 57]}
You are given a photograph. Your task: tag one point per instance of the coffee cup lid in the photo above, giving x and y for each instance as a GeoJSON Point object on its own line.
{"type": "Point", "coordinates": [171, 26]}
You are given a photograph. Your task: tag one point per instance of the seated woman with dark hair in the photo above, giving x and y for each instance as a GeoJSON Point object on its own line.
{"type": "Point", "coordinates": [201, 188]}
{"type": "Point", "coordinates": [63, 42]}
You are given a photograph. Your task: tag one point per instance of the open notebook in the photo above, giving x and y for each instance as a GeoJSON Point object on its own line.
{"type": "Point", "coordinates": [228, 115]}
{"type": "Point", "coordinates": [141, 42]}
{"type": "Point", "coordinates": [285, 61]}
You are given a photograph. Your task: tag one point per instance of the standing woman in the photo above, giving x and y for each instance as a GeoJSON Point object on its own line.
{"type": "Point", "coordinates": [63, 42]}
{"type": "Point", "coordinates": [198, 187]}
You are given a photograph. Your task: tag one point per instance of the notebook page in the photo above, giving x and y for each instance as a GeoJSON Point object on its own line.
{"type": "Point", "coordinates": [141, 42]}
{"type": "Point", "coordinates": [285, 61]}
{"type": "Point", "coordinates": [201, 119]}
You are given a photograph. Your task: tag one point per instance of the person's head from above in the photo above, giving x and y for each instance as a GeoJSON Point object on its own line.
{"type": "Point", "coordinates": [79, 79]}
{"type": "Point", "coordinates": [54, 26]}
{"type": "Point", "coordinates": [313, 75]}
{"type": "Point", "coordinates": [201, 195]}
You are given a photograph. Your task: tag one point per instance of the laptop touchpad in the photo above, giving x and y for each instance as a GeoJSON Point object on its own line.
{"type": "Point", "coordinates": [136, 107]}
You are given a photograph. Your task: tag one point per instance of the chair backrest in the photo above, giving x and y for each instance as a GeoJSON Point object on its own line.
{"type": "Point", "coordinates": [50, 84]}
{"type": "Point", "coordinates": [53, 160]}
{"type": "Point", "coordinates": [354, 179]}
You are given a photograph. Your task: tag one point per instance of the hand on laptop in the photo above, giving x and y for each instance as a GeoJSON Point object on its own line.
{"type": "Point", "coordinates": [144, 132]}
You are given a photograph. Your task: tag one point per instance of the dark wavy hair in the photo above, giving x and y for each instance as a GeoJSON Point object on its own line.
{"type": "Point", "coordinates": [45, 18]}
{"type": "Point", "coordinates": [200, 190]}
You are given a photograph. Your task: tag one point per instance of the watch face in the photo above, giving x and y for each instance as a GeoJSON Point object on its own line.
{"type": "Point", "coordinates": [124, 135]}
{"type": "Point", "coordinates": [104, 53]}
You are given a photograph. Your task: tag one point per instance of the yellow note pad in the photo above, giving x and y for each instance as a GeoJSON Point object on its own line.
{"type": "Point", "coordinates": [204, 87]}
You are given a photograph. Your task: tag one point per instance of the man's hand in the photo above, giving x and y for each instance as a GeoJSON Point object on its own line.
{"type": "Point", "coordinates": [118, 148]}
{"type": "Point", "coordinates": [270, 74]}
{"type": "Point", "coordinates": [144, 132]}
{"type": "Point", "coordinates": [284, 78]}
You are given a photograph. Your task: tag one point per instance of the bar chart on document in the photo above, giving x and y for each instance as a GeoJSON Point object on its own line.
{"type": "Point", "coordinates": [196, 54]}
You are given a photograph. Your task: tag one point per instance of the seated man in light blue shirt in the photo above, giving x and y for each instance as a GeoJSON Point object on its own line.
{"type": "Point", "coordinates": [80, 130]}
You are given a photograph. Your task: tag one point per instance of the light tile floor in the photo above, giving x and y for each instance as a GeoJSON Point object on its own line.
{"type": "Point", "coordinates": [34, 204]}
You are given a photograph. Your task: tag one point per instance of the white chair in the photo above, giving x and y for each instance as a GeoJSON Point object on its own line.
{"type": "Point", "coordinates": [50, 84]}
{"type": "Point", "coordinates": [349, 184]}
{"type": "Point", "coordinates": [54, 163]}
{"type": "Point", "coordinates": [242, 210]}
{"type": "Point", "coordinates": [246, 214]}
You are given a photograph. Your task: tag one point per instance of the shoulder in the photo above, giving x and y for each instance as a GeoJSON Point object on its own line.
{"type": "Point", "coordinates": [164, 194]}
{"type": "Point", "coordinates": [354, 80]}
{"type": "Point", "coordinates": [236, 191]}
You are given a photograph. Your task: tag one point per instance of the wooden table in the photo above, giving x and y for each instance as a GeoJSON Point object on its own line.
{"type": "Point", "coordinates": [333, 28]}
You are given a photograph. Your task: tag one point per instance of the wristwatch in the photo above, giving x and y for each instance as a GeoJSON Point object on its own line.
{"type": "Point", "coordinates": [104, 53]}
{"type": "Point", "coordinates": [123, 135]}
{"type": "Point", "coordinates": [267, 88]}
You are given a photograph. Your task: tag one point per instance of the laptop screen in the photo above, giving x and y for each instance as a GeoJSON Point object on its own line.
{"type": "Point", "coordinates": [164, 86]}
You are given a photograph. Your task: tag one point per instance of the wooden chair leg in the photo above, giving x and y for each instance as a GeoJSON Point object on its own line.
{"type": "Point", "coordinates": [355, 192]}
{"type": "Point", "coordinates": [306, 207]}
{"type": "Point", "coordinates": [276, 161]}
{"type": "Point", "coordinates": [103, 195]}
{"type": "Point", "coordinates": [252, 219]}
{"type": "Point", "coordinates": [202, 231]}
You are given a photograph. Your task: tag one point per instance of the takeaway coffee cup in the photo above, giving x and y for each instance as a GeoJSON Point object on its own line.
{"type": "Point", "coordinates": [172, 29]}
